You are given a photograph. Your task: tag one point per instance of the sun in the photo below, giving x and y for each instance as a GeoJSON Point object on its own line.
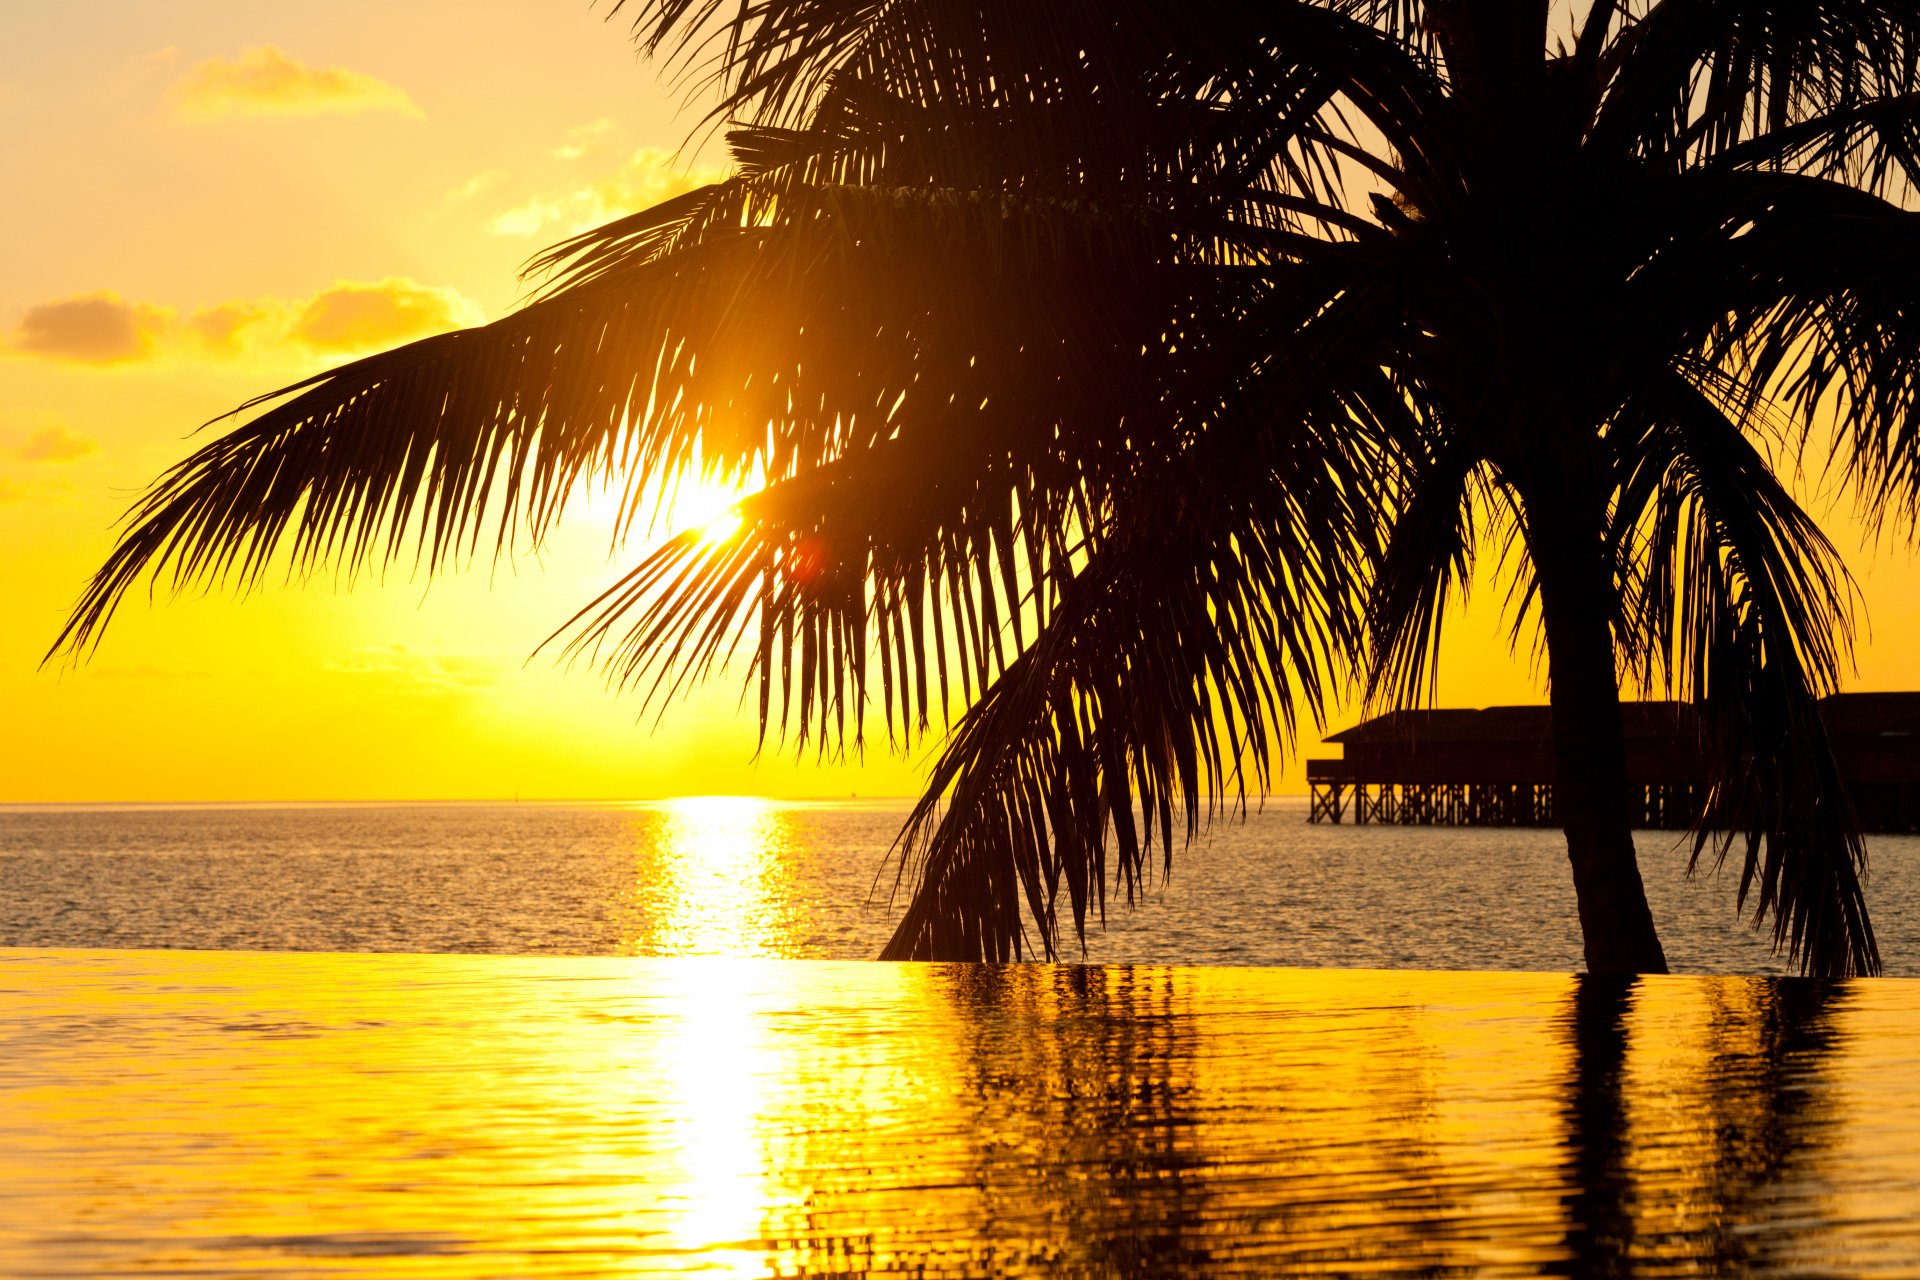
{"type": "Point", "coordinates": [699, 500]}
{"type": "Point", "coordinates": [706, 503]}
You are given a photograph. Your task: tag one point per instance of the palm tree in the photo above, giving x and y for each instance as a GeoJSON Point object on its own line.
{"type": "Point", "coordinates": [1141, 373]}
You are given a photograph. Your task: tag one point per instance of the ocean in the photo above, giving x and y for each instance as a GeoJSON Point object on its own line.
{"type": "Point", "coordinates": [741, 876]}
{"type": "Point", "coordinates": [664, 1058]}
{"type": "Point", "coordinates": [337, 1116]}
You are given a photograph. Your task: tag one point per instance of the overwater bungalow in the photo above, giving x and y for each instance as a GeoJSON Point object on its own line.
{"type": "Point", "coordinates": [1493, 766]}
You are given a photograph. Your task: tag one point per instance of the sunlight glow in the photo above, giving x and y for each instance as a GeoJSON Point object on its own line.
{"type": "Point", "coordinates": [706, 503]}
{"type": "Point", "coordinates": [698, 499]}
{"type": "Point", "coordinates": [720, 529]}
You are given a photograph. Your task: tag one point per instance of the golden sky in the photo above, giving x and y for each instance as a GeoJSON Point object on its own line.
{"type": "Point", "coordinates": [210, 198]}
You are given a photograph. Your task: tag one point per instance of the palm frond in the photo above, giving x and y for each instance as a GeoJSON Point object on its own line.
{"type": "Point", "coordinates": [1803, 289]}
{"type": "Point", "coordinates": [1747, 605]}
{"type": "Point", "coordinates": [1429, 552]}
{"type": "Point", "coordinates": [1170, 675]}
{"type": "Point", "coordinates": [1690, 80]}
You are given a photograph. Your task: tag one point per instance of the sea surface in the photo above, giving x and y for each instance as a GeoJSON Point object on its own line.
{"type": "Point", "coordinates": [672, 1063]}
{"type": "Point", "coordinates": [747, 877]}
{"type": "Point", "coordinates": [335, 1115]}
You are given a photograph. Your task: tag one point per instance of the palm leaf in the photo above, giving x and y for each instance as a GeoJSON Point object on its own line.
{"type": "Point", "coordinates": [1744, 601]}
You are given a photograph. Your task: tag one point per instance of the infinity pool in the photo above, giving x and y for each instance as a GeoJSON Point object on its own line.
{"type": "Point", "coordinates": [222, 1113]}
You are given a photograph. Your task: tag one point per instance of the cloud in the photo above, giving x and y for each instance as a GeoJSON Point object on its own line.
{"type": "Point", "coordinates": [359, 317]}
{"type": "Point", "coordinates": [584, 140]}
{"type": "Point", "coordinates": [264, 81]}
{"type": "Point", "coordinates": [528, 219]}
{"type": "Point", "coordinates": [230, 328]}
{"type": "Point", "coordinates": [146, 671]}
{"type": "Point", "coordinates": [97, 329]}
{"type": "Point", "coordinates": [649, 176]}
{"type": "Point", "coordinates": [646, 179]}
{"type": "Point", "coordinates": [56, 444]}
{"type": "Point", "coordinates": [345, 317]}
{"type": "Point", "coordinates": [400, 670]}
{"type": "Point", "coordinates": [474, 186]}
{"type": "Point", "coordinates": [18, 493]}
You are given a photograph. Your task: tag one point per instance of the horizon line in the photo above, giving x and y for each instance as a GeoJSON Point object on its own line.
{"type": "Point", "coordinates": [449, 801]}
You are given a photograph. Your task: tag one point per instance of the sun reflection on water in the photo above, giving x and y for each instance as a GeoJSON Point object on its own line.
{"type": "Point", "coordinates": [714, 877]}
{"type": "Point", "coordinates": [714, 881]}
{"type": "Point", "coordinates": [715, 1068]}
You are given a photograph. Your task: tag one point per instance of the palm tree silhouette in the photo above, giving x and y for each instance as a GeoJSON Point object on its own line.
{"type": "Point", "coordinates": [1141, 373]}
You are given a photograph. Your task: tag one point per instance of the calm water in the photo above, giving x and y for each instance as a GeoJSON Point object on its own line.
{"type": "Point", "coordinates": [756, 878]}
{"type": "Point", "coordinates": [217, 1113]}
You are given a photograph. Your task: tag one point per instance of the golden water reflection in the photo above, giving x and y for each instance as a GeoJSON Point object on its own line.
{"type": "Point", "coordinates": [713, 876]}
{"type": "Point", "coordinates": [195, 1113]}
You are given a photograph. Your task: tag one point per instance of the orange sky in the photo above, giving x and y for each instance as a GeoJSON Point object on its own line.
{"type": "Point", "coordinates": [208, 199]}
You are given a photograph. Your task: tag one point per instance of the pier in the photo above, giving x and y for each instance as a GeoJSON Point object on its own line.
{"type": "Point", "coordinates": [1493, 767]}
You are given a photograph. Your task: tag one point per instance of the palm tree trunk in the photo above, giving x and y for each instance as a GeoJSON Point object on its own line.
{"type": "Point", "coordinates": [1589, 742]}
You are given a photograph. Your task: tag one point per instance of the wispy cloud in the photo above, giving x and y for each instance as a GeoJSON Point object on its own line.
{"type": "Point", "coordinates": [649, 176]}
{"type": "Point", "coordinates": [264, 81]}
{"type": "Point", "coordinates": [104, 330]}
{"type": "Point", "coordinates": [21, 492]}
{"type": "Point", "coordinates": [585, 139]}
{"type": "Point", "coordinates": [474, 186]}
{"type": "Point", "coordinates": [528, 219]}
{"type": "Point", "coordinates": [398, 669]}
{"type": "Point", "coordinates": [56, 444]}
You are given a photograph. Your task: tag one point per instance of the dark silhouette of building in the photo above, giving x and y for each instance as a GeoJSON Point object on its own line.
{"type": "Point", "coordinates": [1494, 766]}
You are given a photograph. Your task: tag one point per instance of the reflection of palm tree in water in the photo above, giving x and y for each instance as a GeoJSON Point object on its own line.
{"type": "Point", "coordinates": [1743, 1126]}
{"type": "Point", "coordinates": [1152, 1122]}
{"type": "Point", "coordinates": [1076, 1098]}
{"type": "Point", "coordinates": [1108, 1168]}
{"type": "Point", "coordinates": [1773, 1113]}
{"type": "Point", "coordinates": [1600, 1221]}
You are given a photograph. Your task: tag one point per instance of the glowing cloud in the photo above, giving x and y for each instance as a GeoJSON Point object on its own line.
{"type": "Point", "coordinates": [648, 177]}
{"type": "Point", "coordinates": [264, 81]}
{"type": "Point", "coordinates": [527, 219]}
{"type": "Point", "coordinates": [13, 493]}
{"type": "Point", "coordinates": [474, 186]}
{"type": "Point", "coordinates": [583, 140]}
{"type": "Point", "coordinates": [346, 317]}
{"type": "Point", "coordinates": [56, 444]}
{"type": "Point", "coordinates": [229, 329]}
{"type": "Point", "coordinates": [359, 317]}
{"type": "Point", "coordinates": [98, 329]}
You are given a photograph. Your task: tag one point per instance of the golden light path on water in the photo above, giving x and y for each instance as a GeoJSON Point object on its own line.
{"type": "Point", "coordinates": [712, 867]}
{"type": "Point", "coordinates": [714, 870]}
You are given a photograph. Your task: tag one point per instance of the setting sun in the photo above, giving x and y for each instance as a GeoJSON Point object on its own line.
{"type": "Point", "coordinates": [707, 504]}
